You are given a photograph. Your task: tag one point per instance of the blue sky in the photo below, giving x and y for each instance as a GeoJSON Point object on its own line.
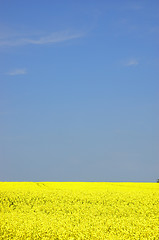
{"type": "Point", "coordinates": [79, 90]}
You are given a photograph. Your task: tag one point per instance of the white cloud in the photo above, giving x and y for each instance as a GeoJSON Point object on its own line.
{"type": "Point", "coordinates": [52, 38]}
{"type": "Point", "coordinates": [131, 62]}
{"type": "Point", "coordinates": [15, 72]}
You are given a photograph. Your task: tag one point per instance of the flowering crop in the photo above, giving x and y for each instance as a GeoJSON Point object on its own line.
{"type": "Point", "coordinates": [78, 210]}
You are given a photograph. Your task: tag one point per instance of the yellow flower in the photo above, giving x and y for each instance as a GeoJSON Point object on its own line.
{"type": "Point", "coordinates": [79, 211]}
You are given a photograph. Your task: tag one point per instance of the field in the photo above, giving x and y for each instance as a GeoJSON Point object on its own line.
{"type": "Point", "coordinates": [54, 210]}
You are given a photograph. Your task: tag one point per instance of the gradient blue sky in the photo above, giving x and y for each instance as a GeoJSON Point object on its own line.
{"type": "Point", "coordinates": [79, 85]}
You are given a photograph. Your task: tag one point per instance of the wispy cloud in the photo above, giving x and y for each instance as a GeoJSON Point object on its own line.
{"type": "Point", "coordinates": [47, 39]}
{"type": "Point", "coordinates": [131, 62]}
{"type": "Point", "coordinates": [15, 72]}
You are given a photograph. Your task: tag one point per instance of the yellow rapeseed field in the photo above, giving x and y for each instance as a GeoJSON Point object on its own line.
{"type": "Point", "coordinates": [79, 210]}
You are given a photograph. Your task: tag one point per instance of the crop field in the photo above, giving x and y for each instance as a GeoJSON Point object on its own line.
{"type": "Point", "coordinates": [79, 210]}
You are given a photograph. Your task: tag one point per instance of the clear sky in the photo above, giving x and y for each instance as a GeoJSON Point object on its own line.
{"type": "Point", "coordinates": [79, 90]}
